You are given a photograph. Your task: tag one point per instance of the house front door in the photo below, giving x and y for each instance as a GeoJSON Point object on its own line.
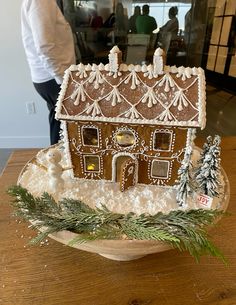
{"type": "Point", "coordinates": [129, 174]}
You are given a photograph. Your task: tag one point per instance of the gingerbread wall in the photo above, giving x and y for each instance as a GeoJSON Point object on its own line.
{"type": "Point", "coordinates": [109, 151]}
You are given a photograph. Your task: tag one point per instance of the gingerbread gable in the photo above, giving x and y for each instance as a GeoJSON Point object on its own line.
{"type": "Point", "coordinates": [133, 94]}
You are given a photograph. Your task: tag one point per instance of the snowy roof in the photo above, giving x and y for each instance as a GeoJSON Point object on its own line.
{"type": "Point", "coordinates": [133, 94]}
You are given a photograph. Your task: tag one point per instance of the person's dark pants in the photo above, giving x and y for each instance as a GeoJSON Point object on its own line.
{"type": "Point", "coordinates": [49, 92]}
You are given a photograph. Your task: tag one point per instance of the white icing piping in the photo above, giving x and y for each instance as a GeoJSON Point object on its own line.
{"type": "Point", "coordinates": [135, 79]}
{"type": "Point", "coordinates": [131, 121]}
{"type": "Point", "coordinates": [124, 153]}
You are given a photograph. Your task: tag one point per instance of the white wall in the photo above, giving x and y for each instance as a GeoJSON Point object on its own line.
{"type": "Point", "coordinates": [17, 128]}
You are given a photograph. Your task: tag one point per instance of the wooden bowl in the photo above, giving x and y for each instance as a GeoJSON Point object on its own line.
{"type": "Point", "coordinates": [123, 250]}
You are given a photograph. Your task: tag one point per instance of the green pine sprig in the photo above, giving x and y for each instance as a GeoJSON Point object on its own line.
{"type": "Point", "coordinates": [184, 230]}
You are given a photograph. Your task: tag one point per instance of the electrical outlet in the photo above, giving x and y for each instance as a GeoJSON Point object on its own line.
{"type": "Point", "coordinates": [30, 108]}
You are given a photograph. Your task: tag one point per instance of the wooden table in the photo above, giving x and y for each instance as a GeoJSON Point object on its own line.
{"type": "Point", "coordinates": [59, 275]}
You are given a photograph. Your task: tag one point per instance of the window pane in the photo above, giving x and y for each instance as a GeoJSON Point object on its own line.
{"type": "Point", "coordinates": [90, 136]}
{"type": "Point", "coordinates": [92, 163]}
{"type": "Point", "coordinates": [160, 169]}
{"type": "Point", "coordinates": [162, 140]}
{"type": "Point", "coordinates": [125, 138]}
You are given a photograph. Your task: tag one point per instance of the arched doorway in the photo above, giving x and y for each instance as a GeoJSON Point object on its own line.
{"type": "Point", "coordinates": [125, 170]}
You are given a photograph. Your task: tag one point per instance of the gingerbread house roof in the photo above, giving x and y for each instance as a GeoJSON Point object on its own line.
{"type": "Point", "coordinates": [133, 94]}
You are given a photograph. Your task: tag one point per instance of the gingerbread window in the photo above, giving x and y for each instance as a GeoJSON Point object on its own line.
{"type": "Point", "coordinates": [160, 169]}
{"type": "Point", "coordinates": [162, 140]}
{"type": "Point", "coordinates": [90, 136]}
{"type": "Point", "coordinates": [125, 138]}
{"type": "Point", "coordinates": [92, 163]}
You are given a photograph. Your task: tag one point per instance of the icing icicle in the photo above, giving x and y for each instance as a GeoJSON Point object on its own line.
{"type": "Point", "coordinates": [81, 71]}
{"type": "Point", "coordinates": [94, 109]}
{"type": "Point", "coordinates": [132, 113]}
{"type": "Point", "coordinates": [149, 98]}
{"type": "Point", "coordinates": [114, 97]}
{"type": "Point", "coordinates": [133, 77]}
{"type": "Point", "coordinates": [96, 77]}
{"type": "Point", "coordinates": [79, 95]}
{"type": "Point", "coordinates": [167, 81]}
{"type": "Point", "coordinates": [180, 100]}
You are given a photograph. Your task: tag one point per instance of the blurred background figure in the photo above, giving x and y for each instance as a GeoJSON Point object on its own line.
{"type": "Point", "coordinates": [67, 8]}
{"type": "Point", "coordinates": [187, 25]}
{"type": "Point", "coordinates": [121, 24]}
{"type": "Point", "coordinates": [170, 30]}
{"type": "Point", "coordinates": [145, 24]}
{"type": "Point", "coordinates": [96, 21]}
{"type": "Point", "coordinates": [132, 20]}
{"type": "Point", "coordinates": [172, 25]}
{"type": "Point", "coordinates": [49, 47]}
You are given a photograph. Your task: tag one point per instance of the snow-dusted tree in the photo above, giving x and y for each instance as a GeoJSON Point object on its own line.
{"type": "Point", "coordinates": [207, 175]}
{"type": "Point", "coordinates": [183, 186]}
{"type": "Point", "coordinates": [205, 148]}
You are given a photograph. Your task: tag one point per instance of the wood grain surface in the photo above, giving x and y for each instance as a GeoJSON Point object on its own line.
{"type": "Point", "coordinates": [55, 274]}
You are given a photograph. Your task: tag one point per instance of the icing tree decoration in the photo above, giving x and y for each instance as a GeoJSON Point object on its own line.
{"type": "Point", "coordinates": [55, 170]}
{"type": "Point", "coordinates": [133, 77]}
{"type": "Point", "coordinates": [96, 76]}
{"type": "Point", "coordinates": [208, 173]}
{"type": "Point", "coordinates": [184, 187]}
{"type": "Point", "coordinates": [114, 96]}
{"type": "Point", "coordinates": [167, 81]}
{"type": "Point", "coordinates": [81, 71]}
{"type": "Point", "coordinates": [114, 61]}
{"type": "Point", "coordinates": [180, 100]}
{"type": "Point", "coordinates": [158, 62]}
{"type": "Point", "coordinates": [79, 94]}
{"type": "Point", "coordinates": [150, 98]}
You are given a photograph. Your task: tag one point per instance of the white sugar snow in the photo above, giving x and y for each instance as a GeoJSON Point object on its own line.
{"type": "Point", "coordinates": [149, 199]}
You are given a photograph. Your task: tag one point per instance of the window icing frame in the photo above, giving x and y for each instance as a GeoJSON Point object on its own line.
{"type": "Point", "coordinates": [82, 135]}
{"type": "Point", "coordinates": [171, 143]}
{"type": "Point", "coordinates": [160, 177]}
{"type": "Point", "coordinates": [84, 164]}
{"type": "Point", "coordinates": [125, 129]}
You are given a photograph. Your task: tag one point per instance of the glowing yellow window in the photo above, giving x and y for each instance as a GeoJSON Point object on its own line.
{"type": "Point", "coordinates": [92, 164]}
{"type": "Point", "coordinates": [162, 140]}
{"type": "Point", "coordinates": [90, 136]}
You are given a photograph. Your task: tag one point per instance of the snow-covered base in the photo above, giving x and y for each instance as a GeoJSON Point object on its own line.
{"type": "Point", "coordinates": [148, 199]}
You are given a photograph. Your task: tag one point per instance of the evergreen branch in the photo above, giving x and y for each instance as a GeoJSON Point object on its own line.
{"type": "Point", "coordinates": [184, 230]}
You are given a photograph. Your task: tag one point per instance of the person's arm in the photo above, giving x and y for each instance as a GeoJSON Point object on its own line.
{"type": "Point", "coordinates": [42, 18]}
{"type": "Point", "coordinates": [169, 26]}
{"type": "Point", "coordinates": [154, 24]}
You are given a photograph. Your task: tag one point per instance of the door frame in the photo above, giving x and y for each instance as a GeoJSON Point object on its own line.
{"type": "Point", "coordinates": [120, 154]}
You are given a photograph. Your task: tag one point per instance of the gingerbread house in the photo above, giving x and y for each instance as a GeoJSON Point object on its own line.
{"type": "Point", "coordinates": [130, 123]}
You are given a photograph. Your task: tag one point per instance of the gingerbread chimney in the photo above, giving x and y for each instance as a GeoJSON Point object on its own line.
{"type": "Point", "coordinates": [115, 59]}
{"type": "Point", "coordinates": [159, 59]}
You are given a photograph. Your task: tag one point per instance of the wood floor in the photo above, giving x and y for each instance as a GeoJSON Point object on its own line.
{"type": "Point", "coordinates": [221, 118]}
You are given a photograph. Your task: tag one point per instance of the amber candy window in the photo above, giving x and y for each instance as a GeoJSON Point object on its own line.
{"type": "Point", "coordinates": [125, 138]}
{"type": "Point", "coordinates": [92, 163]}
{"type": "Point", "coordinates": [160, 169]}
{"type": "Point", "coordinates": [90, 136]}
{"type": "Point", "coordinates": [162, 141]}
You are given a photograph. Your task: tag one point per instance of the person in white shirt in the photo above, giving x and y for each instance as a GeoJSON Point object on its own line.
{"type": "Point", "coordinates": [49, 48]}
